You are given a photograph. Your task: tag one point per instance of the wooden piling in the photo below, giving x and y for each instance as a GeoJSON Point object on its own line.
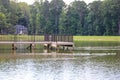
{"type": "Point", "coordinates": [32, 47]}
{"type": "Point", "coordinates": [14, 47]}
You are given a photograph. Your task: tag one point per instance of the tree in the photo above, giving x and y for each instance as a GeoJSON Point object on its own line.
{"type": "Point", "coordinates": [56, 7]}
{"type": "Point", "coordinates": [4, 12]}
{"type": "Point", "coordinates": [75, 18]}
{"type": "Point", "coordinates": [2, 22]}
{"type": "Point", "coordinates": [94, 18]}
{"type": "Point", "coordinates": [111, 16]}
{"type": "Point", "coordinates": [44, 21]}
{"type": "Point", "coordinates": [33, 11]}
{"type": "Point", "coordinates": [24, 12]}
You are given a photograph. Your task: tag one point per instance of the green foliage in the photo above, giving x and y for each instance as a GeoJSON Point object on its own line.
{"type": "Point", "coordinates": [111, 16]}
{"type": "Point", "coordinates": [2, 21]}
{"type": "Point", "coordinates": [55, 17]}
{"type": "Point", "coordinates": [15, 13]}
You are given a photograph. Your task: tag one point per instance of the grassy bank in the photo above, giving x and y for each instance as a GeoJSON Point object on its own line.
{"type": "Point", "coordinates": [97, 38]}
{"type": "Point", "coordinates": [21, 37]}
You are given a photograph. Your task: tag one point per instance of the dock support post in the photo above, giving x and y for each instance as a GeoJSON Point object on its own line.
{"type": "Point", "coordinates": [63, 47]}
{"type": "Point", "coordinates": [13, 47]}
{"type": "Point", "coordinates": [57, 48]}
{"type": "Point", "coordinates": [32, 47]}
{"type": "Point", "coordinates": [48, 46]}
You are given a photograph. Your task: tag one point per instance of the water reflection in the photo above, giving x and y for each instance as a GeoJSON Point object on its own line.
{"type": "Point", "coordinates": [79, 68]}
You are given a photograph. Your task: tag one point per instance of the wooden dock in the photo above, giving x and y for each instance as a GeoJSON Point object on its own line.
{"type": "Point", "coordinates": [54, 41]}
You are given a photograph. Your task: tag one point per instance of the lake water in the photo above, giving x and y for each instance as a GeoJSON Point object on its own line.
{"type": "Point", "coordinates": [88, 61]}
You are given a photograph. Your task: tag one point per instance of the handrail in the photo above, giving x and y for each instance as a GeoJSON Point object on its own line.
{"type": "Point", "coordinates": [55, 38]}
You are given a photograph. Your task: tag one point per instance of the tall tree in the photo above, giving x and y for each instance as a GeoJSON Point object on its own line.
{"type": "Point", "coordinates": [33, 11]}
{"type": "Point", "coordinates": [75, 17]}
{"type": "Point", "coordinates": [2, 22]}
{"type": "Point", "coordinates": [4, 11]}
{"type": "Point", "coordinates": [111, 16]}
{"type": "Point", "coordinates": [94, 19]}
{"type": "Point", "coordinates": [45, 22]}
{"type": "Point", "coordinates": [24, 14]}
{"type": "Point", "coordinates": [56, 7]}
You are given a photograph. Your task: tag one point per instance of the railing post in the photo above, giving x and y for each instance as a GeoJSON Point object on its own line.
{"type": "Point", "coordinates": [55, 38]}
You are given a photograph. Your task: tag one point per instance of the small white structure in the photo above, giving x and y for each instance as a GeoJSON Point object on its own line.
{"type": "Point", "coordinates": [20, 29]}
{"type": "Point", "coordinates": [21, 32]}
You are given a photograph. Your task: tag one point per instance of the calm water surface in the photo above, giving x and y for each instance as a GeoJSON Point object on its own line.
{"type": "Point", "coordinates": [98, 62]}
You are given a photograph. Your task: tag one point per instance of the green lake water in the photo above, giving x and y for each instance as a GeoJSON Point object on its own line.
{"type": "Point", "coordinates": [88, 61]}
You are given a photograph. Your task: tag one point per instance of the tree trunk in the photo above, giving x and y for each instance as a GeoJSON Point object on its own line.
{"type": "Point", "coordinates": [119, 27]}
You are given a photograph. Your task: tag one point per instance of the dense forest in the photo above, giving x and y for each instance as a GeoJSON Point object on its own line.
{"type": "Point", "coordinates": [56, 17]}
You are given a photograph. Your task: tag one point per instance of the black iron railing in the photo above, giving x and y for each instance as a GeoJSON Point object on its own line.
{"type": "Point", "coordinates": [61, 38]}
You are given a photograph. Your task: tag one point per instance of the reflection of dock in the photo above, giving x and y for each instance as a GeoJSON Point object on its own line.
{"type": "Point", "coordinates": [50, 41]}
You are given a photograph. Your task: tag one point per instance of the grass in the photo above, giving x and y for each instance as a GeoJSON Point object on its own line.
{"type": "Point", "coordinates": [21, 37]}
{"type": "Point", "coordinates": [76, 38]}
{"type": "Point", "coordinates": [97, 38]}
